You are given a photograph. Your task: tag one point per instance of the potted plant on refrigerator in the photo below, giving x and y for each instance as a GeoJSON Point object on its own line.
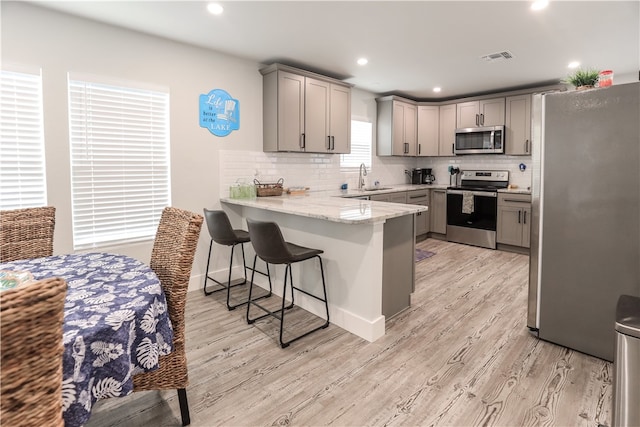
{"type": "Point", "coordinates": [583, 79]}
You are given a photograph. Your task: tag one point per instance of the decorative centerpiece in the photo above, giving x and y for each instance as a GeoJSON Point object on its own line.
{"type": "Point", "coordinates": [583, 79]}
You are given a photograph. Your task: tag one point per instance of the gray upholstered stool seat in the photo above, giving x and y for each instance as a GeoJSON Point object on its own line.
{"type": "Point", "coordinates": [270, 246]}
{"type": "Point", "coordinates": [223, 233]}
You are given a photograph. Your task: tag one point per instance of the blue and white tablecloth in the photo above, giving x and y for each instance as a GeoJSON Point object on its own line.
{"type": "Point", "coordinates": [116, 325]}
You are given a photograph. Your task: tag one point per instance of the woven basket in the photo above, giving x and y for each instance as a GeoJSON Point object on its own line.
{"type": "Point", "coordinates": [269, 189]}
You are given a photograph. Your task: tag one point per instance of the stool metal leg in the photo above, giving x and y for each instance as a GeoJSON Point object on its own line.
{"type": "Point", "coordinates": [223, 286]}
{"type": "Point", "coordinates": [227, 286]}
{"type": "Point", "coordinates": [251, 300]}
{"type": "Point", "coordinates": [285, 344]}
{"type": "Point", "coordinates": [279, 314]}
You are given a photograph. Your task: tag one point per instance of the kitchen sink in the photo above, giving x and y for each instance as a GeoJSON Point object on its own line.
{"type": "Point", "coordinates": [377, 188]}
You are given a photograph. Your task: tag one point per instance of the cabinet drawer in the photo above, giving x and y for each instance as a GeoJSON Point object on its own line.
{"type": "Point", "coordinates": [514, 200]}
{"type": "Point", "coordinates": [398, 197]}
{"type": "Point", "coordinates": [418, 197]}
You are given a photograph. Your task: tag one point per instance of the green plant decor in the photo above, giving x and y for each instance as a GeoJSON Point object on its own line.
{"type": "Point", "coordinates": [583, 78]}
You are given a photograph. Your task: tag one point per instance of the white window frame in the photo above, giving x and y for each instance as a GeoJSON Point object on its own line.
{"type": "Point", "coordinates": [361, 146]}
{"type": "Point", "coordinates": [120, 165]}
{"type": "Point", "coordinates": [23, 182]}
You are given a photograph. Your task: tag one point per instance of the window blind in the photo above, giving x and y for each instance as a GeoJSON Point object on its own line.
{"type": "Point", "coordinates": [361, 140]}
{"type": "Point", "coordinates": [22, 168]}
{"type": "Point", "coordinates": [119, 143]}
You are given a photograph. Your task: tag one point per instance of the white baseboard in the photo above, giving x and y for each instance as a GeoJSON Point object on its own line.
{"type": "Point", "coordinates": [366, 329]}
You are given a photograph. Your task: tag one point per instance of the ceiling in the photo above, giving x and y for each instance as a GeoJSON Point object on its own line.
{"type": "Point", "coordinates": [411, 46]}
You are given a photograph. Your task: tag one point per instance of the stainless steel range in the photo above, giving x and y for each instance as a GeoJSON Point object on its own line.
{"type": "Point", "coordinates": [472, 207]}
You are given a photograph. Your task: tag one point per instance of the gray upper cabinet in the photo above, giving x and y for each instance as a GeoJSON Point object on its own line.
{"type": "Point", "coordinates": [447, 130]}
{"type": "Point", "coordinates": [397, 127]}
{"type": "Point", "coordinates": [428, 130]}
{"type": "Point", "coordinates": [340, 119]}
{"type": "Point", "coordinates": [518, 125]}
{"type": "Point", "coordinates": [305, 112]}
{"type": "Point", "coordinates": [486, 112]}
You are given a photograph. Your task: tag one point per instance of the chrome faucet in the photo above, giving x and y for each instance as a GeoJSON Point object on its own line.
{"type": "Point", "coordinates": [362, 174]}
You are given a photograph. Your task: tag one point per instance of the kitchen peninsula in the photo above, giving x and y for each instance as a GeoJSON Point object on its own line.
{"type": "Point", "coordinates": [368, 254]}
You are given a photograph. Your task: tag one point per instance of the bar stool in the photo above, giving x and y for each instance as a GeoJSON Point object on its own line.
{"type": "Point", "coordinates": [271, 247]}
{"type": "Point", "coordinates": [222, 232]}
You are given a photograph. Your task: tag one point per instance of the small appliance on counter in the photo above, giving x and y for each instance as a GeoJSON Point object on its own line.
{"type": "Point", "coordinates": [427, 177]}
{"type": "Point", "coordinates": [453, 176]}
{"type": "Point", "coordinates": [415, 175]}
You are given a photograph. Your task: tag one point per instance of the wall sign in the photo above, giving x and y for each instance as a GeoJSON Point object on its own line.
{"type": "Point", "coordinates": [219, 112]}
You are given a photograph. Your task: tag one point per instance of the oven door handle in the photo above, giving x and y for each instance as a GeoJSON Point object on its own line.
{"type": "Point", "coordinates": [475, 193]}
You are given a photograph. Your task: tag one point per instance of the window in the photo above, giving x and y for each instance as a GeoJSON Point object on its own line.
{"type": "Point", "coordinates": [22, 169]}
{"type": "Point", "coordinates": [361, 136]}
{"type": "Point", "coordinates": [119, 138]}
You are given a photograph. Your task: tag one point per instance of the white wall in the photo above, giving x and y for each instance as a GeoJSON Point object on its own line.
{"type": "Point", "coordinates": [59, 43]}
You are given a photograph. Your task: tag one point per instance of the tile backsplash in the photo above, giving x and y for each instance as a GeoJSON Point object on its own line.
{"type": "Point", "coordinates": [321, 172]}
{"type": "Point", "coordinates": [440, 166]}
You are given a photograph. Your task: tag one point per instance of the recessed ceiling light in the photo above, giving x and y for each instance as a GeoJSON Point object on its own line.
{"type": "Point", "coordinates": [574, 64]}
{"type": "Point", "coordinates": [215, 8]}
{"type": "Point", "coordinates": [437, 89]}
{"type": "Point", "coordinates": [539, 4]}
{"type": "Point", "coordinates": [363, 61]}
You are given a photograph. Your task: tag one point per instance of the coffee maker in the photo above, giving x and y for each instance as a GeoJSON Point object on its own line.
{"type": "Point", "coordinates": [416, 175]}
{"type": "Point", "coordinates": [427, 177]}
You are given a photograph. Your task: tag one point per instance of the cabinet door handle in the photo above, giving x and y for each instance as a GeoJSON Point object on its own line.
{"type": "Point", "coordinates": [452, 150]}
{"type": "Point", "coordinates": [526, 146]}
{"type": "Point", "coordinates": [419, 148]}
{"type": "Point", "coordinates": [519, 215]}
{"type": "Point", "coordinates": [524, 216]}
{"type": "Point", "coordinates": [302, 141]}
{"type": "Point", "coordinates": [328, 143]}
{"type": "Point", "coordinates": [477, 120]}
{"type": "Point", "coordinates": [333, 142]}
{"type": "Point", "coordinates": [516, 201]}
{"type": "Point", "coordinates": [482, 119]}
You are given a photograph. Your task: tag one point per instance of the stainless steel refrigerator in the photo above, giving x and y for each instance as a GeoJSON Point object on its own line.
{"type": "Point", "coordinates": [585, 230]}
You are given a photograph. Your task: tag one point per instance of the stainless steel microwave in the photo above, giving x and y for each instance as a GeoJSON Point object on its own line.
{"type": "Point", "coordinates": [480, 140]}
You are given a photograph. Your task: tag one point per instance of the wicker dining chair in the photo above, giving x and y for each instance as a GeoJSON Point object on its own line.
{"type": "Point", "coordinates": [26, 233]}
{"type": "Point", "coordinates": [31, 344]}
{"type": "Point", "coordinates": [171, 260]}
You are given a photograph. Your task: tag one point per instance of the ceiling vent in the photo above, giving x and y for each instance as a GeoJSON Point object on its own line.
{"type": "Point", "coordinates": [498, 56]}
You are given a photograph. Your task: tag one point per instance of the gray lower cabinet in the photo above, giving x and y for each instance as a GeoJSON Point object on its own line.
{"type": "Point", "coordinates": [514, 218]}
{"type": "Point", "coordinates": [420, 197]}
{"type": "Point", "coordinates": [438, 211]}
{"type": "Point", "coordinates": [397, 197]}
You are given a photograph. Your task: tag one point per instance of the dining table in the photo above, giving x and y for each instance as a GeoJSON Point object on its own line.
{"type": "Point", "coordinates": [116, 324]}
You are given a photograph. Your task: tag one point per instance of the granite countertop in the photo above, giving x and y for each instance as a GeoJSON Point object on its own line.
{"type": "Point", "coordinates": [324, 205]}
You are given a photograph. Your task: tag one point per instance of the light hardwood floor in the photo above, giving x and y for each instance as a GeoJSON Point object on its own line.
{"type": "Point", "coordinates": [460, 356]}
